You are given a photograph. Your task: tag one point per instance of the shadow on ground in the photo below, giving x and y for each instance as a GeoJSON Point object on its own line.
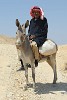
{"type": "Point", "coordinates": [50, 88]}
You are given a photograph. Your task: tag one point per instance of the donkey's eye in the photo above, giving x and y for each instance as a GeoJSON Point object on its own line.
{"type": "Point", "coordinates": [23, 34]}
{"type": "Point", "coordinates": [22, 25]}
{"type": "Point", "coordinates": [16, 32]}
{"type": "Point", "coordinates": [22, 31]}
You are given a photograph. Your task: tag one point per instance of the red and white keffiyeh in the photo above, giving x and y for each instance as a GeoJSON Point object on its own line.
{"type": "Point", "coordinates": [36, 8]}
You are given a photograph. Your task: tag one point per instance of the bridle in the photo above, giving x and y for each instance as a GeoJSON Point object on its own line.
{"type": "Point", "coordinates": [24, 38]}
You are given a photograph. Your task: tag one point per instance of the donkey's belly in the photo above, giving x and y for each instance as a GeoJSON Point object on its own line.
{"type": "Point", "coordinates": [26, 60]}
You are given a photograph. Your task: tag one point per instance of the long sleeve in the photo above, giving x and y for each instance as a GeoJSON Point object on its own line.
{"type": "Point", "coordinates": [38, 27]}
{"type": "Point", "coordinates": [44, 29]}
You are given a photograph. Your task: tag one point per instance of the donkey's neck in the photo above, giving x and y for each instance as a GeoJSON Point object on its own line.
{"type": "Point", "coordinates": [25, 45]}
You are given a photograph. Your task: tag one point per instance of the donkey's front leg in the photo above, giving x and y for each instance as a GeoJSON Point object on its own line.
{"type": "Point", "coordinates": [33, 75]}
{"type": "Point", "coordinates": [26, 75]}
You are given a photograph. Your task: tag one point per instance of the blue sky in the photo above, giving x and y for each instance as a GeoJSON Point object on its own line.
{"type": "Point", "coordinates": [55, 12]}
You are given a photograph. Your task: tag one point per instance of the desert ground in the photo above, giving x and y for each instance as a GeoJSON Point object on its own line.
{"type": "Point", "coordinates": [12, 81]}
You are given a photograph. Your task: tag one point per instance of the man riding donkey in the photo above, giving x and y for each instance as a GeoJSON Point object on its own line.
{"type": "Point", "coordinates": [38, 29]}
{"type": "Point", "coordinates": [37, 32]}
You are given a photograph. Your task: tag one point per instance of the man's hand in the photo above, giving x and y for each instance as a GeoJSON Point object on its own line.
{"type": "Point", "coordinates": [32, 37]}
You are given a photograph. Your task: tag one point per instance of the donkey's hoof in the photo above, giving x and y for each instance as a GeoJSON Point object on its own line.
{"type": "Point", "coordinates": [25, 87]}
{"type": "Point", "coordinates": [29, 66]}
{"type": "Point", "coordinates": [33, 86]}
{"type": "Point", "coordinates": [54, 82]}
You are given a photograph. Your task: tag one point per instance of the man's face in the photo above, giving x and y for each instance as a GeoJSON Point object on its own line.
{"type": "Point", "coordinates": [36, 14]}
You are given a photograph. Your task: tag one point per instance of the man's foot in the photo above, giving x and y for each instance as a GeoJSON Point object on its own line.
{"type": "Point", "coordinates": [21, 68]}
{"type": "Point", "coordinates": [36, 63]}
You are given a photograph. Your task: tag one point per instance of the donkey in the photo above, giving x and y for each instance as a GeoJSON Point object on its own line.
{"type": "Point", "coordinates": [26, 54]}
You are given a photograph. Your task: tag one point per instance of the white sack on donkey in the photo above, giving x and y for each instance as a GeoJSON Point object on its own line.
{"type": "Point", "coordinates": [48, 48]}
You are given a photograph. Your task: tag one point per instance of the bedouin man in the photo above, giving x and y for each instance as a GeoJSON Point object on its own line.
{"type": "Point", "coordinates": [38, 29]}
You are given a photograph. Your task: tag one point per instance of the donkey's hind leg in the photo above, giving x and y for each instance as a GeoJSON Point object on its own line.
{"type": "Point", "coordinates": [52, 62]}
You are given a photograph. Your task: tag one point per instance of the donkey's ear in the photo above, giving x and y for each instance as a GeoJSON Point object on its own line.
{"type": "Point", "coordinates": [27, 24]}
{"type": "Point", "coordinates": [17, 23]}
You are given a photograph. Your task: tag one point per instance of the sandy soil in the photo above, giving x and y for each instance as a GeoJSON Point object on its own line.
{"type": "Point", "coordinates": [12, 82]}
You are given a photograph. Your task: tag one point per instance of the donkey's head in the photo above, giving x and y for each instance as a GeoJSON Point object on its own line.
{"type": "Point", "coordinates": [21, 32]}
